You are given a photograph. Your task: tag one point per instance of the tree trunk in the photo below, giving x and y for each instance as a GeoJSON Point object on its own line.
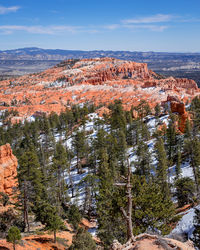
{"type": "Point", "coordinates": [195, 178]}
{"type": "Point", "coordinates": [26, 221]}
{"type": "Point", "coordinates": [71, 182]}
{"type": "Point", "coordinates": [14, 245]}
{"type": "Point", "coordinates": [128, 215]}
{"type": "Point", "coordinates": [77, 163]}
{"type": "Point", "coordinates": [54, 236]}
{"type": "Point", "coordinates": [130, 205]}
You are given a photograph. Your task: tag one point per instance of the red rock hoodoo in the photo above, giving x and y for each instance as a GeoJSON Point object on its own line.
{"type": "Point", "coordinates": [179, 107]}
{"type": "Point", "coordinates": [8, 170]}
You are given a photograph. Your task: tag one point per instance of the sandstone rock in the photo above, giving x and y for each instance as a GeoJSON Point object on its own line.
{"type": "Point", "coordinates": [172, 98]}
{"type": "Point", "coordinates": [8, 170]}
{"type": "Point", "coordinates": [182, 121]}
{"type": "Point", "coordinates": [98, 81]}
{"type": "Point", "coordinates": [152, 242]}
{"type": "Point", "coordinates": [102, 111]}
{"type": "Point", "coordinates": [177, 107]}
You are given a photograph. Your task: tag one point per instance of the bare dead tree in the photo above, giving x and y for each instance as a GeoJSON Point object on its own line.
{"type": "Point", "coordinates": [127, 213]}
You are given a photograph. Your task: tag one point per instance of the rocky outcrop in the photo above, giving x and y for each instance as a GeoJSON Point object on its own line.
{"type": "Point", "coordinates": [8, 170]}
{"type": "Point", "coordinates": [152, 242]}
{"type": "Point", "coordinates": [186, 84]}
{"type": "Point", "coordinates": [179, 107]}
{"type": "Point", "coordinates": [172, 99]}
{"type": "Point", "coordinates": [102, 111]}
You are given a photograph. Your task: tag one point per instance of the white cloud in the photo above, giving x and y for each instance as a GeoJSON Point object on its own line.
{"type": "Point", "coordinates": [49, 30]}
{"type": "Point", "coordinates": [159, 18]}
{"type": "Point", "coordinates": [153, 23]}
{"type": "Point", "coordinates": [62, 29]}
{"type": "Point", "coordinates": [158, 28]}
{"type": "Point", "coordinates": [5, 10]}
{"type": "Point", "coordinates": [112, 26]}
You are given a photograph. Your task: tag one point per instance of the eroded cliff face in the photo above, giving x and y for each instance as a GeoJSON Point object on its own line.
{"type": "Point", "coordinates": [8, 170]}
{"type": "Point", "coordinates": [100, 80]}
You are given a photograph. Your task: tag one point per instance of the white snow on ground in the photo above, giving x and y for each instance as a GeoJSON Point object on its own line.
{"type": "Point", "coordinates": [153, 122]}
{"type": "Point", "coordinates": [151, 144]}
{"type": "Point", "coordinates": [186, 171]}
{"type": "Point", "coordinates": [30, 119]}
{"type": "Point", "coordinates": [91, 130]}
{"type": "Point", "coordinates": [68, 143]}
{"type": "Point", "coordinates": [164, 119]}
{"type": "Point", "coordinates": [186, 224]}
{"type": "Point", "coordinates": [59, 137]}
{"type": "Point", "coordinates": [93, 231]}
{"type": "Point", "coordinates": [79, 191]}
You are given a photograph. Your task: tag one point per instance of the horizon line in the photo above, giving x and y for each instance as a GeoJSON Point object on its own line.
{"type": "Point", "coordinates": [107, 50]}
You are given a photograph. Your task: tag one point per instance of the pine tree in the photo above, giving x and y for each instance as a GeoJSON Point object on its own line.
{"type": "Point", "coordinates": [90, 184]}
{"type": "Point", "coordinates": [185, 191]}
{"type": "Point", "coordinates": [48, 216]}
{"type": "Point", "coordinates": [143, 163]}
{"type": "Point", "coordinates": [29, 170]}
{"type": "Point", "coordinates": [54, 121]}
{"type": "Point", "coordinates": [188, 129]}
{"type": "Point", "coordinates": [161, 170]}
{"type": "Point", "coordinates": [196, 232]}
{"type": "Point", "coordinates": [122, 146]}
{"type": "Point", "coordinates": [60, 165]}
{"type": "Point", "coordinates": [143, 109]}
{"type": "Point", "coordinates": [82, 240]}
{"type": "Point", "coordinates": [152, 210]}
{"type": "Point", "coordinates": [133, 133]}
{"type": "Point", "coordinates": [74, 216]}
{"type": "Point", "coordinates": [157, 110]}
{"type": "Point", "coordinates": [118, 119]}
{"type": "Point", "coordinates": [171, 139]}
{"type": "Point", "coordinates": [32, 190]}
{"type": "Point", "coordinates": [145, 135]}
{"type": "Point", "coordinates": [195, 107]}
{"type": "Point", "coordinates": [192, 148]}
{"type": "Point", "coordinates": [104, 200]}
{"type": "Point", "coordinates": [79, 145]}
{"type": "Point", "coordinates": [13, 236]}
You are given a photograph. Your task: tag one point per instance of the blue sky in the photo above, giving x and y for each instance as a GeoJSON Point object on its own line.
{"type": "Point", "coordinates": [135, 25]}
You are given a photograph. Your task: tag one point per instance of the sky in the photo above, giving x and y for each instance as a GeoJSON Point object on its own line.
{"type": "Point", "coordinates": [134, 25]}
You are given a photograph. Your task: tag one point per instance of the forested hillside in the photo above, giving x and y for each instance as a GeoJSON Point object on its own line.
{"type": "Point", "coordinates": [71, 166]}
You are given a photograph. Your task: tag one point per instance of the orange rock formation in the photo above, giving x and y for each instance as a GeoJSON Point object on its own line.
{"type": "Point", "coordinates": [8, 170]}
{"type": "Point", "coordinates": [178, 107]}
{"type": "Point", "coordinates": [90, 80]}
{"type": "Point", "coordinates": [153, 242]}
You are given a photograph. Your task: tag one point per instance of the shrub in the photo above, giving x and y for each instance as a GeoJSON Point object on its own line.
{"type": "Point", "coordinates": [83, 241]}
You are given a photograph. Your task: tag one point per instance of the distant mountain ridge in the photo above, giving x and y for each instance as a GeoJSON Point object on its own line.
{"type": "Point", "coordinates": [34, 53]}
